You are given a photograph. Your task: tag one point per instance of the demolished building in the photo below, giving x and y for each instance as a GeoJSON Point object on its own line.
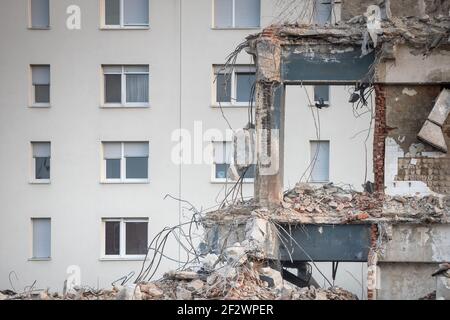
{"type": "Point", "coordinates": [401, 228]}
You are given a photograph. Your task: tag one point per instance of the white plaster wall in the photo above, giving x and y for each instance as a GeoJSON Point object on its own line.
{"type": "Point", "coordinates": [75, 124]}
{"type": "Point", "coordinates": [347, 135]}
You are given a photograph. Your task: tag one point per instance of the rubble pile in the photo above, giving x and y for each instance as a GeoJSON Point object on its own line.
{"type": "Point", "coordinates": [246, 281]}
{"type": "Point", "coordinates": [349, 205]}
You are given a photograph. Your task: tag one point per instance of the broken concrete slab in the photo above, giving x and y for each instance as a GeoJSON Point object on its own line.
{"type": "Point", "coordinates": [441, 109]}
{"type": "Point", "coordinates": [432, 134]}
{"type": "Point", "coordinates": [130, 292]}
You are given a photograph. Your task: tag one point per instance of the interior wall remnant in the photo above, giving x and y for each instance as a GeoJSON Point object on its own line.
{"type": "Point", "coordinates": [379, 138]}
{"type": "Point", "coordinates": [411, 165]}
{"type": "Point", "coordinates": [405, 280]}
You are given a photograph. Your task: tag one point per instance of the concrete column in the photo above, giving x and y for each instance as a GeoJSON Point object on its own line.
{"type": "Point", "coordinates": [269, 120]}
{"type": "Point", "coordinates": [269, 143]}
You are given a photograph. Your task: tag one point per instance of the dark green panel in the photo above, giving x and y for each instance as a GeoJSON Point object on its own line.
{"type": "Point", "coordinates": [348, 243]}
{"type": "Point", "coordinates": [299, 64]}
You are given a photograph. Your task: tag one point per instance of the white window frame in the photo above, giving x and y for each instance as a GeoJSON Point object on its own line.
{"type": "Point", "coordinates": [30, 18]}
{"type": "Point", "coordinates": [123, 166]}
{"type": "Point", "coordinates": [32, 101]}
{"type": "Point", "coordinates": [234, 70]}
{"type": "Point", "coordinates": [213, 166]}
{"type": "Point", "coordinates": [233, 18]}
{"type": "Point", "coordinates": [31, 240]}
{"type": "Point", "coordinates": [326, 102]}
{"type": "Point", "coordinates": [329, 162]}
{"type": "Point", "coordinates": [335, 11]}
{"type": "Point", "coordinates": [123, 88]}
{"type": "Point", "coordinates": [122, 243]}
{"type": "Point", "coordinates": [120, 26]}
{"type": "Point", "coordinates": [33, 179]}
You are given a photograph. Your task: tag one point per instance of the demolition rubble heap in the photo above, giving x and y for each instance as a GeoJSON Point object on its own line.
{"type": "Point", "coordinates": [236, 280]}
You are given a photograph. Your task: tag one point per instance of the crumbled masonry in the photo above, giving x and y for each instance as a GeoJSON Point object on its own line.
{"type": "Point", "coordinates": [239, 282]}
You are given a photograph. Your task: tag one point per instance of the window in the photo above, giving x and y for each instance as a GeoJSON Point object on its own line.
{"type": "Point", "coordinates": [39, 14]}
{"type": "Point", "coordinates": [324, 12]}
{"type": "Point", "coordinates": [126, 85]}
{"type": "Point", "coordinates": [222, 160]}
{"type": "Point", "coordinates": [41, 228]}
{"type": "Point", "coordinates": [125, 237]}
{"type": "Point", "coordinates": [126, 13]}
{"type": "Point", "coordinates": [125, 161]}
{"type": "Point", "coordinates": [322, 95]}
{"type": "Point", "coordinates": [235, 86]}
{"type": "Point", "coordinates": [320, 161]}
{"type": "Point", "coordinates": [41, 161]}
{"type": "Point", "coordinates": [237, 13]}
{"type": "Point", "coordinates": [40, 81]}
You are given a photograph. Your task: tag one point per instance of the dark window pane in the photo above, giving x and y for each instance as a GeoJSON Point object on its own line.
{"type": "Point", "coordinates": [250, 173]}
{"type": "Point", "coordinates": [248, 13]}
{"type": "Point", "coordinates": [42, 167]}
{"type": "Point", "coordinates": [323, 11]}
{"type": "Point", "coordinates": [112, 168]}
{"type": "Point", "coordinates": [112, 237]}
{"type": "Point", "coordinates": [137, 168]}
{"type": "Point", "coordinates": [245, 82]}
{"type": "Point", "coordinates": [322, 93]}
{"type": "Point", "coordinates": [223, 13]}
{"type": "Point", "coordinates": [137, 87]}
{"type": "Point", "coordinates": [40, 17]}
{"type": "Point", "coordinates": [42, 93]}
{"type": "Point", "coordinates": [113, 88]}
{"type": "Point", "coordinates": [135, 12]}
{"type": "Point", "coordinates": [112, 12]}
{"type": "Point", "coordinates": [222, 170]}
{"type": "Point", "coordinates": [223, 88]}
{"type": "Point", "coordinates": [136, 237]}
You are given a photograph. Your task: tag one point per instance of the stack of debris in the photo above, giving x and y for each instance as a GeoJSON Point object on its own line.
{"type": "Point", "coordinates": [236, 279]}
{"type": "Point", "coordinates": [351, 206]}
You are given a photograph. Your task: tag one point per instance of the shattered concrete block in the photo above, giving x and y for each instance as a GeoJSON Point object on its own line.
{"type": "Point", "coordinates": [209, 261]}
{"type": "Point", "coordinates": [183, 294]}
{"type": "Point", "coordinates": [441, 109]}
{"type": "Point", "coordinates": [182, 275]}
{"type": "Point", "coordinates": [236, 254]}
{"type": "Point", "coordinates": [152, 290]}
{"type": "Point", "coordinates": [130, 292]}
{"type": "Point", "coordinates": [3, 296]}
{"type": "Point", "coordinates": [273, 277]}
{"type": "Point", "coordinates": [432, 134]}
{"type": "Point", "coordinates": [195, 285]}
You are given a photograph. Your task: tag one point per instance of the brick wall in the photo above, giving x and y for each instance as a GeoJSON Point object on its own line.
{"type": "Point", "coordinates": [379, 137]}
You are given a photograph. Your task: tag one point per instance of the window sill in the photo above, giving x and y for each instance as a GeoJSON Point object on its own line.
{"type": "Point", "coordinates": [125, 106]}
{"type": "Point", "coordinates": [133, 258]}
{"type": "Point", "coordinates": [235, 28]}
{"type": "Point", "coordinates": [143, 181]}
{"type": "Point", "coordinates": [43, 181]}
{"type": "Point", "coordinates": [39, 28]}
{"type": "Point", "coordinates": [107, 28]}
{"type": "Point", "coordinates": [40, 105]}
{"type": "Point", "coordinates": [40, 259]}
{"type": "Point", "coordinates": [230, 106]}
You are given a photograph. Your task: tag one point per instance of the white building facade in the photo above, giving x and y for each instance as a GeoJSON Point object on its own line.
{"type": "Point", "coordinates": [93, 96]}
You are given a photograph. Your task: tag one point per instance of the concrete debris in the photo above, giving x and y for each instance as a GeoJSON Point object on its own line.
{"type": "Point", "coordinates": [183, 293]}
{"type": "Point", "coordinates": [181, 275]}
{"type": "Point", "coordinates": [151, 290]}
{"type": "Point", "coordinates": [236, 254]}
{"type": "Point", "coordinates": [272, 277]}
{"type": "Point", "coordinates": [130, 292]}
{"type": "Point", "coordinates": [351, 206]}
